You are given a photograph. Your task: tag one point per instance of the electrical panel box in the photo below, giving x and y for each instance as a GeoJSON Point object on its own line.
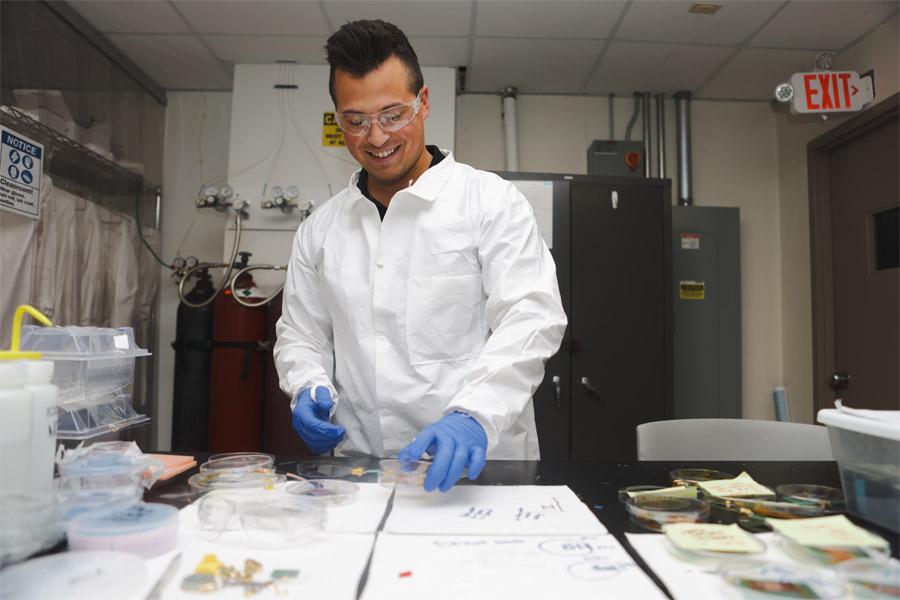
{"type": "Point", "coordinates": [706, 278]}
{"type": "Point", "coordinates": [615, 158]}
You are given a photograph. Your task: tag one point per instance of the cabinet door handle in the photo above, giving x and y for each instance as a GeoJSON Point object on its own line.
{"type": "Point", "coordinates": [590, 389]}
{"type": "Point", "coordinates": [557, 384]}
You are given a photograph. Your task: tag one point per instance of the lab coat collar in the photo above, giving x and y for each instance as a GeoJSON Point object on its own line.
{"type": "Point", "coordinates": [427, 187]}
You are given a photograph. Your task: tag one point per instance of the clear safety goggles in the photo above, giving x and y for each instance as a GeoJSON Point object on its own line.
{"type": "Point", "coordinates": [390, 119]}
{"type": "Point", "coordinates": [274, 521]}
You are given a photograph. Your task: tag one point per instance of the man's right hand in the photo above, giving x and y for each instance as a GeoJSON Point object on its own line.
{"type": "Point", "coordinates": [311, 420]}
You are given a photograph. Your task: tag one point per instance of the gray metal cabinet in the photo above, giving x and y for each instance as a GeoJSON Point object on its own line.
{"type": "Point", "coordinates": [612, 247]}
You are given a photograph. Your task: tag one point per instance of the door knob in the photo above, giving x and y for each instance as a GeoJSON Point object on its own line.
{"type": "Point", "coordinates": [840, 380]}
{"type": "Point", "coordinates": [557, 385]}
{"type": "Point", "coordinates": [590, 389]}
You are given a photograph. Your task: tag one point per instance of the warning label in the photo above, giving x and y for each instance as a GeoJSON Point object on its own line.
{"type": "Point", "coordinates": [332, 135]}
{"type": "Point", "coordinates": [692, 290]}
{"type": "Point", "coordinates": [690, 241]}
{"type": "Point", "coordinates": [21, 165]}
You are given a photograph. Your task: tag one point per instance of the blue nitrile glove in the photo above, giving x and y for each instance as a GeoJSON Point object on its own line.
{"type": "Point", "coordinates": [311, 420]}
{"type": "Point", "coordinates": [457, 441]}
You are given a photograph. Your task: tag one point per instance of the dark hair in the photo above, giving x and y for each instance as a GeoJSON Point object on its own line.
{"type": "Point", "coordinates": [360, 47]}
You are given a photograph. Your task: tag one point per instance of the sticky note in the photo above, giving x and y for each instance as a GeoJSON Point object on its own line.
{"type": "Point", "coordinates": [741, 486]}
{"type": "Point", "coordinates": [686, 492]}
{"type": "Point", "coordinates": [711, 537]}
{"type": "Point", "coordinates": [836, 530]}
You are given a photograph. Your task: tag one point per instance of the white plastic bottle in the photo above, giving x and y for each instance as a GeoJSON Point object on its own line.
{"type": "Point", "coordinates": [15, 427]}
{"type": "Point", "coordinates": [42, 459]}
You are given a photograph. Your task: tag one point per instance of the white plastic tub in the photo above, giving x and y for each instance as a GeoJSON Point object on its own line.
{"type": "Point", "coordinates": [866, 446]}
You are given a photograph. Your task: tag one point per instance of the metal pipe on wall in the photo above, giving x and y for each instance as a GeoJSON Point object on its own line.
{"type": "Point", "coordinates": [612, 122]}
{"type": "Point", "coordinates": [645, 113]}
{"type": "Point", "coordinates": [683, 116]}
{"type": "Point", "coordinates": [661, 135]}
{"type": "Point", "coordinates": [510, 128]}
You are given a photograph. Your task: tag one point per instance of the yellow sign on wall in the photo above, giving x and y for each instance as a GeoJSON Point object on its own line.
{"type": "Point", "coordinates": [331, 131]}
{"type": "Point", "coordinates": [692, 290]}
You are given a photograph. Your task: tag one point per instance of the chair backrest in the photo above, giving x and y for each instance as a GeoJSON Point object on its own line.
{"type": "Point", "coordinates": [732, 439]}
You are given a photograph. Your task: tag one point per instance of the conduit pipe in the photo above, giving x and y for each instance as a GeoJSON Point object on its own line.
{"type": "Point", "coordinates": [661, 135]}
{"type": "Point", "coordinates": [612, 122]}
{"type": "Point", "coordinates": [510, 128]}
{"type": "Point", "coordinates": [683, 116]}
{"type": "Point", "coordinates": [645, 113]}
{"type": "Point", "coordinates": [634, 116]}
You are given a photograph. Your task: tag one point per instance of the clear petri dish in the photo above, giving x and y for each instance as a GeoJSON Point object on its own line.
{"type": "Point", "coordinates": [871, 578]}
{"type": "Point", "coordinates": [332, 492]}
{"type": "Point", "coordinates": [770, 580]}
{"type": "Point", "coordinates": [239, 461]}
{"type": "Point", "coordinates": [652, 512]}
{"type": "Point", "coordinates": [217, 480]}
{"type": "Point", "coordinates": [829, 555]}
{"type": "Point", "coordinates": [325, 468]}
{"type": "Point", "coordinates": [282, 521]}
{"type": "Point", "coordinates": [694, 476]}
{"type": "Point", "coordinates": [765, 508]}
{"type": "Point", "coordinates": [403, 477]}
{"type": "Point", "coordinates": [636, 489]}
{"type": "Point", "coordinates": [830, 500]}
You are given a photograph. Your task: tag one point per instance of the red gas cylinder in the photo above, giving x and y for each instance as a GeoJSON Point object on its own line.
{"type": "Point", "coordinates": [237, 378]}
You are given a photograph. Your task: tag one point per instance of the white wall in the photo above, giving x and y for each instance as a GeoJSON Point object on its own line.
{"type": "Point", "coordinates": [196, 153]}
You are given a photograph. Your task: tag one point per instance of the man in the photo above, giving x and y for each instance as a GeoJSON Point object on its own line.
{"type": "Point", "coordinates": [421, 303]}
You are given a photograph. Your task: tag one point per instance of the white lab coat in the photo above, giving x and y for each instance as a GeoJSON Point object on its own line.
{"type": "Point", "coordinates": [450, 304]}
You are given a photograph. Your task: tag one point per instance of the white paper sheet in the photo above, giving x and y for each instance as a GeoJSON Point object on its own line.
{"type": "Point", "coordinates": [691, 580]}
{"type": "Point", "coordinates": [493, 510]}
{"type": "Point", "coordinates": [520, 567]}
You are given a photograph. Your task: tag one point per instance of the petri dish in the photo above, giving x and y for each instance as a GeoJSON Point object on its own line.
{"type": "Point", "coordinates": [146, 530]}
{"type": "Point", "coordinates": [282, 521]}
{"type": "Point", "coordinates": [633, 489]}
{"type": "Point", "coordinates": [239, 461]}
{"type": "Point", "coordinates": [332, 492]}
{"type": "Point", "coordinates": [830, 500]}
{"type": "Point", "coordinates": [693, 476]}
{"type": "Point", "coordinates": [403, 477]}
{"type": "Point", "coordinates": [765, 508]}
{"type": "Point", "coordinates": [868, 578]}
{"type": "Point", "coordinates": [769, 580]}
{"type": "Point", "coordinates": [217, 480]}
{"type": "Point", "coordinates": [90, 575]}
{"type": "Point", "coordinates": [829, 555]}
{"type": "Point", "coordinates": [325, 468]}
{"type": "Point", "coordinates": [29, 522]}
{"type": "Point", "coordinates": [652, 512]}
{"type": "Point", "coordinates": [714, 555]}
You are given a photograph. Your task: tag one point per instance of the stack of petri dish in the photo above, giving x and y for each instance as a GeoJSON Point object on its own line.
{"type": "Point", "coordinates": [236, 471]}
{"type": "Point", "coordinates": [29, 523]}
{"type": "Point", "coordinates": [91, 482]}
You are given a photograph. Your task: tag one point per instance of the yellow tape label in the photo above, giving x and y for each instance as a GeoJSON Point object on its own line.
{"type": "Point", "coordinates": [692, 290]}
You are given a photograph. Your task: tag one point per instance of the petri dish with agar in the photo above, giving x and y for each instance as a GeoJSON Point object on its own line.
{"type": "Point", "coordinates": [829, 499]}
{"type": "Point", "coordinates": [213, 480]}
{"type": "Point", "coordinates": [636, 489]}
{"type": "Point", "coordinates": [146, 529]}
{"type": "Point", "coordinates": [871, 578]}
{"type": "Point", "coordinates": [829, 555]}
{"type": "Point", "coordinates": [694, 476]}
{"type": "Point", "coordinates": [750, 546]}
{"type": "Point", "coordinates": [770, 580]}
{"type": "Point", "coordinates": [324, 468]}
{"type": "Point", "coordinates": [652, 512]}
{"type": "Point", "coordinates": [333, 492]}
{"type": "Point", "coordinates": [403, 476]}
{"type": "Point", "coordinates": [239, 461]}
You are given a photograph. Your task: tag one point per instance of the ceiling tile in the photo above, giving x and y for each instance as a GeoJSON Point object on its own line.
{"type": "Point", "coordinates": [823, 25]}
{"type": "Point", "coordinates": [178, 62]}
{"type": "Point", "coordinates": [628, 67]}
{"type": "Point", "coordinates": [253, 17]}
{"type": "Point", "coordinates": [751, 75]}
{"type": "Point", "coordinates": [441, 51]}
{"type": "Point", "coordinates": [532, 66]}
{"type": "Point", "coordinates": [670, 21]}
{"type": "Point", "coordinates": [268, 49]}
{"type": "Point", "coordinates": [134, 16]}
{"type": "Point", "coordinates": [547, 18]}
{"type": "Point", "coordinates": [422, 17]}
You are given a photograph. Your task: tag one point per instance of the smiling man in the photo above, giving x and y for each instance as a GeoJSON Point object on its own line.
{"type": "Point", "coordinates": [421, 302]}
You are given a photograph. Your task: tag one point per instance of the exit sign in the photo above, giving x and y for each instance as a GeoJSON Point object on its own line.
{"type": "Point", "coordinates": [831, 91]}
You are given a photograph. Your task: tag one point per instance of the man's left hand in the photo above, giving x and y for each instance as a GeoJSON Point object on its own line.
{"type": "Point", "coordinates": [457, 441]}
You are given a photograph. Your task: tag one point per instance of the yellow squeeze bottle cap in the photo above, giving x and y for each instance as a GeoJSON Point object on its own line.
{"type": "Point", "coordinates": [14, 353]}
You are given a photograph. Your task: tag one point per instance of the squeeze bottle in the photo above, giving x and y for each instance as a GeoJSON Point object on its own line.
{"type": "Point", "coordinates": [15, 427]}
{"type": "Point", "coordinates": [42, 457]}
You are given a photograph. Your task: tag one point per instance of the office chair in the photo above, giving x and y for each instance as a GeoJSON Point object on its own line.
{"type": "Point", "coordinates": [732, 439]}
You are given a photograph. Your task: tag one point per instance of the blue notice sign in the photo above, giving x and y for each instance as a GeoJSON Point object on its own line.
{"type": "Point", "coordinates": [21, 169]}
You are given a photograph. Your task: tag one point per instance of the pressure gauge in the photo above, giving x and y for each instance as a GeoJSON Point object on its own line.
{"type": "Point", "coordinates": [304, 204]}
{"type": "Point", "coordinates": [191, 261]}
{"type": "Point", "coordinates": [280, 201]}
{"type": "Point", "coordinates": [292, 192]}
{"type": "Point", "coordinates": [226, 192]}
{"type": "Point", "coordinates": [277, 192]}
{"type": "Point", "coordinates": [239, 204]}
{"type": "Point", "coordinates": [179, 263]}
{"type": "Point", "coordinates": [211, 191]}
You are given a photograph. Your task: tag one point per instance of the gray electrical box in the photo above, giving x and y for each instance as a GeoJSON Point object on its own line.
{"type": "Point", "coordinates": [615, 158]}
{"type": "Point", "coordinates": [706, 277]}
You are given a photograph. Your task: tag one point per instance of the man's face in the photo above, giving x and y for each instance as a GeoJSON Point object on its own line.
{"type": "Point", "coordinates": [389, 157]}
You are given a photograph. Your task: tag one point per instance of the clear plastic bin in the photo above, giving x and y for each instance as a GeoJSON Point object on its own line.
{"type": "Point", "coordinates": [90, 362]}
{"type": "Point", "coordinates": [867, 451]}
{"type": "Point", "coordinates": [88, 420]}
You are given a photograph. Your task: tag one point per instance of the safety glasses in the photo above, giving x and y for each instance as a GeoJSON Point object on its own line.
{"type": "Point", "coordinates": [390, 119]}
